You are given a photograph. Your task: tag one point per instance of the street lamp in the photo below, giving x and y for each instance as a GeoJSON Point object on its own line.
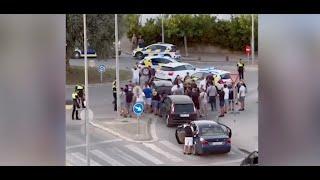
{"type": "Point", "coordinates": [252, 38]}
{"type": "Point", "coordinates": [86, 88]}
{"type": "Point", "coordinates": [117, 64]}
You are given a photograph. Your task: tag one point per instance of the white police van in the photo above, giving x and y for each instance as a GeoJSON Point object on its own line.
{"type": "Point", "coordinates": [164, 49]}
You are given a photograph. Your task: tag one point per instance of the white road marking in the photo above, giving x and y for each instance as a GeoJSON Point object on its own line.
{"type": "Point", "coordinates": [144, 154]}
{"type": "Point", "coordinates": [93, 144]}
{"type": "Point", "coordinates": [162, 152]}
{"type": "Point", "coordinates": [78, 159]}
{"type": "Point", "coordinates": [171, 146]}
{"type": "Point", "coordinates": [106, 158]}
{"type": "Point", "coordinates": [131, 159]}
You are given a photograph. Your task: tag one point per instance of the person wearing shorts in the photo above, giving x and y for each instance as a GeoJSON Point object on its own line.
{"type": "Point", "coordinates": [148, 95]}
{"type": "Point", "coordinates": [242, 94]}
{"type": "Point", "coordinates": [188, 140]}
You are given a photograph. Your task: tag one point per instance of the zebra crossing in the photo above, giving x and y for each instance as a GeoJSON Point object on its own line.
{"type": "Point", "coordinates": [140, 154]}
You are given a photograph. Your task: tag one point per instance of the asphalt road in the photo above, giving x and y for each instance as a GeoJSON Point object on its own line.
{"type": "Point", "coordinates": [107, 149]}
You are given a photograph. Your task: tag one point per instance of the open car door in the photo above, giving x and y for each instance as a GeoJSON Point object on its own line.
{"type": "Point", "coordinates": [180, 134]}
{"type": "Point", "coordinates": [227, 129]}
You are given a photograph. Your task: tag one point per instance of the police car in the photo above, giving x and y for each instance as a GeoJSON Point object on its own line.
{"type": "Point", "coordinates": [164, 49]}
{"type": "Point", "coordinates": [91, 53]}
{"type": "Point", "coordinates": [156, 61]}
{"type": "Point", "coordinates": [201, 74]}
{"type": "Point", "coordinates": [171, 70]}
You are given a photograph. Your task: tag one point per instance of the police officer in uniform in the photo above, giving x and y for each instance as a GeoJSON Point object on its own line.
{"type": "Point", "coordinates": [76, 105]}
{"type": "Point", "coordinates": [114, 89]}
{"type": "Point", "coordinates": [80, 90]}
{"type": "Point", "coordinates": [240, 66]}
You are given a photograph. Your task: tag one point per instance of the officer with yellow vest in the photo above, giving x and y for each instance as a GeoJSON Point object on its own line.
{"type": "Point", "coordinates": [240, 66]}
{"type": "Point", "coordinates": [114, 89]}
{"type": "Point", "coordinates": [76, 105]}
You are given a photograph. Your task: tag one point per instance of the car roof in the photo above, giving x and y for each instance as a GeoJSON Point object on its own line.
{"type": "Point", "coordinates": [213, 71]}
{"type": "Point", "coordinates": [181, 99]}
{"type": "Point", "coordinates": [202, 123]}
{"type": "Point", "coordinates": [162, 44]}
{"type": "Point", "coordinates": [175, 64]}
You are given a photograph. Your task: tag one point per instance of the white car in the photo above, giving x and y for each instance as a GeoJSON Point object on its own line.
{"type": "Point", "coordinates": [171, 70]}
{"type": "Point", "coordinates": [200, 74]}
{"type": "Point", "coordinates": [157, 61]}
{"type": "Point", "coordinates": [164, 49]}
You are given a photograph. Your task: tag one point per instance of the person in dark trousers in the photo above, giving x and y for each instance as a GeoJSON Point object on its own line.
{"type": "Point", "coordinates": [221, 100]}
{"type": "Point", "coordinates": [114, 89]}
{"type": "Point", "coordinates": [212, 93]}
{"type": "Point", "coordinates": [80, 89]}
{"type": "Point", "coordinates": [76, 105]}
{"type": "Point", "coordinates": [240, 66]}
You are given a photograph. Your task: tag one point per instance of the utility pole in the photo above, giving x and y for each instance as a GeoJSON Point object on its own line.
{"type": "Point", "coordinates": [86, 115]}
{"type": "Point", "coordinates": [162, 28]}
{"type": "Point", "coordinates": [117, 64]}
{"type": "Point", "coordinates": [252, 38]}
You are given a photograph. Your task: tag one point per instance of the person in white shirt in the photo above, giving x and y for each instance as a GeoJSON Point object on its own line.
{"type": "Point", "coordinates": [135, 75]}
{"type": "Point", "coordinates": [242, 95]}
{"type": "Point", "coordinates": [203, 84]}
{"type": "Point", "coordinates": [226, 97]}
{"type": "Point", "coordinates": [203, 99]}
{"type": "Point", "coordinates": [177, 89]}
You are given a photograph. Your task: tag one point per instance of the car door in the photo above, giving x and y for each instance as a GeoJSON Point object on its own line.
{"type": "Point", "coordinates": [180, 134]}
{"type": "Point", "coordinates": [226, 129]}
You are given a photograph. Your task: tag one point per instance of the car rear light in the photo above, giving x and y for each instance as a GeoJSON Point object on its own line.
{"type": "Point", "coordinates": [172, 108]}
{"type": "Point", "coordinates": [203, 141]}
{"type": "Point", "coordinates": [229, 141]}
{"type": "Point", "coordinates": [170, 73]}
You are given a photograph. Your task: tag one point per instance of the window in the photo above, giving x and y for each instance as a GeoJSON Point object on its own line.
{"type": "Point", "coordinates": [212, 131]}
{"type": "Point", "coordinates": [164, 68]}
{"type": "Point", "coordinates": [155, 61]}
{"type": "Point", "coordinates": [180, 68]}
{"type": "Point", "coordinates": [183, 108]}
{"type": "Point", "coordinates": [189, 67]}
{"type": "Point", "coordinates": [198, 75]}
{"type": "Point", "coordinates": [173, 49]}
{"type": "Point", "coordinates": [163, 61]}
{"type": "Point", "coordinates": [225, 76]}
{"type": "Point", "coordinates": [150, 47]}
{"type": "Point", "coordinates": [162, 48]}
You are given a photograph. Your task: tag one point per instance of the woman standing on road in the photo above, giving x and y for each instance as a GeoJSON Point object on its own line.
{"type": "Point", "coordinates": [203, 99]}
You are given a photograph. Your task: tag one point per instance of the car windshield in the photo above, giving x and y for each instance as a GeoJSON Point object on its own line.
{"type": "Point", "coordinates": [183, 108]}
{"type": "Point", "coordinates": [225, 76]}
{"type": "Point", "coordinates": [212, 131]}
{"type": "Point", "coordinates": [165, 68]}
{"type": "Point", "coordinates": [173, 48]}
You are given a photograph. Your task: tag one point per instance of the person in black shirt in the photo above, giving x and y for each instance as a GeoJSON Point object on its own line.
{"type": "Point", "coordinates": [188, 140]}
{"type": "Point", "coordinates": [221, 99]}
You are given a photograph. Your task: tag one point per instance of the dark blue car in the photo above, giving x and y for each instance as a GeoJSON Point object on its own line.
{"type": "Point", "coordinates": [209, 137]}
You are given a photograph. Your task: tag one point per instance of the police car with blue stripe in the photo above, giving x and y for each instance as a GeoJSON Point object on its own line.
{"type": "Point", "coordinates": [201, 74]}
{"type": "Point", "coordinates": [164, 49]}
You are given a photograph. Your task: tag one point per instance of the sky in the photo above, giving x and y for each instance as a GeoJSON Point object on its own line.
{"type": "Point", "coordinates": [144, 17]}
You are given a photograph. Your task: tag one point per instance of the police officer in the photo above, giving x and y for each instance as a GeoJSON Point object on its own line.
{"type": "Point", "coordinates": [114, 89]}
{"type": "Point", "coordinates": [76, 105]}
{"type": "Point", "coordinates": [80, 89]}
{"type": "Point", "coordinates": [240, 66]}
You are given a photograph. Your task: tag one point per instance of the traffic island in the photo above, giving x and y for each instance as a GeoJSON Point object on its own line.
{"type": "Point", "coordinates": [129, 129]}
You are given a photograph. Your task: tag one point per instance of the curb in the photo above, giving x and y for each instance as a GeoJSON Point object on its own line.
{"type": "Point", "coordinates": [152, 125]}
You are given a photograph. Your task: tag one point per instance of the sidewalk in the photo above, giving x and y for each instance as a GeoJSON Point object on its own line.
{"type": "Point", "coordinates": [127, 128]}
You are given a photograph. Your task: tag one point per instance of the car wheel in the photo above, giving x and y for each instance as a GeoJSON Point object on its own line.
{"type": "Point", "coordinates": [139, 55]}
{"type": "Point", "coordinates": [167, 120]}
{"type": "Point", "coordinates": [76, 55]}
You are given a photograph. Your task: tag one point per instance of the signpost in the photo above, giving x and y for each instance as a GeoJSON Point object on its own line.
{"type": "Point", "coordinates": [138, 110]}
{"type": "Point", "coordinates": [101, 69]}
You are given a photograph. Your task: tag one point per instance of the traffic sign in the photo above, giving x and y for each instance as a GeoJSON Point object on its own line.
{"type": "Point", "coordinates": [101, 68]}
{"type": "Point", "coordinates": [248, 49]}
{"type": "Point", "coordinates": [138, 108]}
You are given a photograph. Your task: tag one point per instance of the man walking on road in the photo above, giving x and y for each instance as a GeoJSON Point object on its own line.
{"type": "Point", "coordinates": [114, 89]}
{"type": "Point", "coordinates": [76, 105]}
{"type": "Point", "coordinates": [135, 75]}
{"type": "Point", "coordinates": [212, 93]}
{"type": "Point", "coordinates": [240, 66]}
{"type": "Point", "coordinates": [134, 41]}
{"type": "Point", "coordinates": [242, 95]}
{"type": "Point", "coordinates": [188, 140]}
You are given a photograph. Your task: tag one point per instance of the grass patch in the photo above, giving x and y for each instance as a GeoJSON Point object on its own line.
{"type": "Point", "coordinates": [76, 75]}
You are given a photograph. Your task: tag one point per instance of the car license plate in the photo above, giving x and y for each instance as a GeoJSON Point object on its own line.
{"type": "Point", "coordinates": [216, 143]}
{"type": "Point", "coordinates": [184, 115]}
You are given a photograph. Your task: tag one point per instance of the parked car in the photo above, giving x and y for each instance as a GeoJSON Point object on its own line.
{"type": "Point", "coordinates": [251, 159]}
{"type": "Point", "coordinates": [164, 49]}
{"type": "Point", "coordinates": [210, 137]}
{"type": "Point", "coordinates": [200, 74]}
{"type": "Point", "coordinates": [156, 61]}
{"type": "Point", "coordinates": [171, 70]}
{"type": "Point", "coordinates": [162, 86]}
{"type": "Point", "coordinates": [178, 109]}
{"type": "Point", "coordinates": [91, 53]}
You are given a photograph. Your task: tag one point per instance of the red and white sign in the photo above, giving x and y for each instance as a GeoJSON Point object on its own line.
{"type": "Point", "coordinates": [248, 49]}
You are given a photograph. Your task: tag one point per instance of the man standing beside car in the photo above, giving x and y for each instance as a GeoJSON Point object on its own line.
{"type": "Point", "coordinates": [188, 140]}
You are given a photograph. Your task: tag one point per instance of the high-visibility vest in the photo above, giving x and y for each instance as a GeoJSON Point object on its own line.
{"type": "Point", "coordinates": [240, 64]}
{"type": "Point", "coordinates": [74, 95]}
{"type": "Point", "coordinates": [147, 62]}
